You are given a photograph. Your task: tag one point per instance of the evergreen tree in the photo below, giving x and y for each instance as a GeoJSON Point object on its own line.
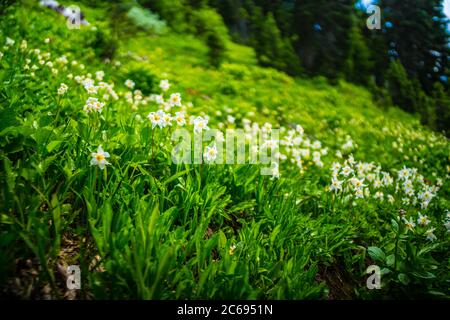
{"type": "Point", "coordinates": [216, 48]}
{"type": "Point", "coordinates": [416, 34]}
{"type": "Point", "coordinates": [322, 28]}
{"type": "Point", "coordinates": [442, 103]}
{"type": "Point", "coordinates": [174, 12]}
{"type": "Point", "coordinates": [208, 24]}
{"type": "Point", "coordinates": [271, 48]}
{"type": "Point", "coordinates": [234, 16]}
{"type": "Point", "coordinates": [401, 87]}
{"type": "Point", "coordinates": [359, 65]}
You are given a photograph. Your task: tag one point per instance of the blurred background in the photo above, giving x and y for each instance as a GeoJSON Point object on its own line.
{"type": "Point", "coordinates": [404, 63]}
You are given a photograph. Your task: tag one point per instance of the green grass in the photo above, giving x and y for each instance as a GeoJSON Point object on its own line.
{"type": "Point", "coordinates": [146, 228]}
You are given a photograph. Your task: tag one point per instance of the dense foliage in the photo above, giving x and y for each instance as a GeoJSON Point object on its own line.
{"type": "Point", "coordinates": [87, 175]}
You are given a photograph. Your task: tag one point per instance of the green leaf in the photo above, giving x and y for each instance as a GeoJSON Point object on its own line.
{"type": "Point", "coordinates": [390, 260]}
{"type": "Point", "coordinates": [275, 233]}
{"type": "Point", "coordinates": [154, 216]}
{"type": "Point", "coordinates": [42, 135]}
{"type": "Point", "coordinates": [52, 145]}
{"type": "Point", "coordinates": [222, 239]}
{"type": "Point", "coordinates": [242, 206]}
{"type": "Point", "coordinates": [8, 117]}
{"type": "Point", "coordinates": [424, 275]}
{"type": "Point", "coordinates": [5, 219]}
{"type": "Point", "coordinates": [394, 225]}
{"type": "Point", "coordinates": [176, 176]}
{"type": "Point", "coordinates": [385, 271]}
{"type": "Point", "coordinates": [438, 293]}
{"type": "Point", "coordinates": [107, 218]}
{"type": "Point", "coordinates": [376, 253]}
{"type": "Point", "coordinates": [403, 278]}
{"type": "Point", "coordinates": [56, 212]}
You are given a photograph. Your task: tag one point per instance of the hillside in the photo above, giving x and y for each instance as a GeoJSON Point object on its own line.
{"type": "Point", "coordinates": [356, 184]}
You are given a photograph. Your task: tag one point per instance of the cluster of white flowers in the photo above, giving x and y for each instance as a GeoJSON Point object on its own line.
{"type": "Point", "coordinates": [36, 58]}
{"type": "Point", "coordinates": [349, 145]}
{"type": "Point", "coordinates": [92, 104]}
{"type": "Point", "coordinates": [301, 149]}
{"type": "Point", "coordinates": [130, 83]}
{"type": "Point", "coordinates": [423, 222]}
{"type": "Point", "coordinates": [160, 119]}
{"type": "Point", "coordinates": [23, 45]}
{"type": "Point", "coordinates": [200, 124]}
{"type": "Point", "coordinates": [164, 85]}
{"type": "Point", "coordinates": [103, 89]}
{"type": "Point", "coordinates": [62, 89]}
{"type": "Point", "coordinates": [359, 178]}
{"type": "Point", "coordinates": [364, 179]}
{"type": "Point", "coordinates": [136, 98]}
{"type": "Point", "coordinates": [9, 42]}
{"type": "Point", "coordinates": [414, 187]}
{"type": "Point", "coordinates": [174, 100]}
{"type": "Point", "coordinates": [292, 144]}
{"type": "Point", "coordinates": [275, 170]}
{"type": "Point", "coordinates": [99, 75]}
{"type": "Point", "coordinates": [412, 143]}
{"type": "Point", "coordinates": [62, 60]}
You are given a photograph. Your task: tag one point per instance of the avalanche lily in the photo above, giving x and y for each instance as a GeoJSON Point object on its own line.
{"type": "Point", "coordinates": [99, 158]}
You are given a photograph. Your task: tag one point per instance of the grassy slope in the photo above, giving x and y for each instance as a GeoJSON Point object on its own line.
{"type": "Point", "coordinates": [290, 247]}
{"type": "Point", "coordinates": [329, 113]}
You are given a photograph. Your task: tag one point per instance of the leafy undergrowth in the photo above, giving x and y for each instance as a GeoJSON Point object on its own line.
{"type": "Point", "coordinates": [355, 186]}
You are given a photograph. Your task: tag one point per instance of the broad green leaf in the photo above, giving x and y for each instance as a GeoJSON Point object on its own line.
{"type": "Point", "coordinates": [52, 145]}
{"type": "Point", "coordinates": [376, 253]}
{"type": "Point", "coordinates": [390, 260]}
{"type": "Point", "coordinates": [403, 278]}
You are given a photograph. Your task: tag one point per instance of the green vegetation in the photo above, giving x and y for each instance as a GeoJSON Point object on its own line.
{"type": "Point", "coordinates": [316, 37]}
{"type": "Point", "coordinates": [143, 227]}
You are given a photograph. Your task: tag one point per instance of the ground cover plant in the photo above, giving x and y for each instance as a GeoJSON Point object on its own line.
{"type": "Point", "coordinates": [88, 176]}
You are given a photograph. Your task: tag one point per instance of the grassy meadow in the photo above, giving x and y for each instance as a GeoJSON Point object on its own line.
{"type": "Point", "coordinates": [356, 185]}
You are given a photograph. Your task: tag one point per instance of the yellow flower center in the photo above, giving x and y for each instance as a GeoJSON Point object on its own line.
{"type": "Point", "coordinates": [99, 157]}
